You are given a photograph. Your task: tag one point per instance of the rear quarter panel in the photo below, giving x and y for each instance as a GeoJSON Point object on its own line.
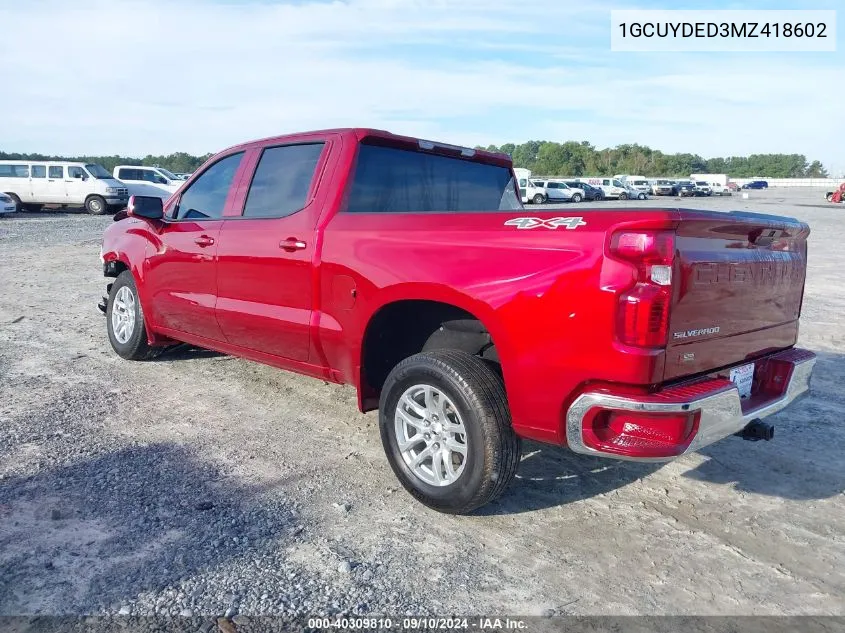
{"type": "Point", "coordinates": [545, 295]}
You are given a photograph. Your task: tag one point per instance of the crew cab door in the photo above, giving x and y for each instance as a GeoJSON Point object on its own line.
{"type": "Point", "coordinates": [265, 254]}
{"type": "Point", "coordinates": [181, 274]}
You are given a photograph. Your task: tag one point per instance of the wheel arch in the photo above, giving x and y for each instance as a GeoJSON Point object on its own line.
{"type": "Point", "coordinates": [405, 323]}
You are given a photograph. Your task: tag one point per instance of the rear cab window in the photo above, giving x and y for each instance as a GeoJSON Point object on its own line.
{"type": "Point", "coordinates": [282, 180]}
{"type": "Point", "coordinates": [397, 180]}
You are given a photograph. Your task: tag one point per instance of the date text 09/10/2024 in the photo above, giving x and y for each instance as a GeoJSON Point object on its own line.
{"type": "Point", "coordinates": [417, 623]}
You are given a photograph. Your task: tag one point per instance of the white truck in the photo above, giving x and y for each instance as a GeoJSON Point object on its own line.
{"type": "Point", "coordinates": [640, 183]}
{"type": "Point", "coordinates": [529, 190]}
{"type": "Point", "coordinates": [33, 183]}
{"type": "Point", "coordinates": [614, 188]}
{"type": "Point", "coordinates": [143, 180]}
{"type": "Point", "coordinates": [718, 183]}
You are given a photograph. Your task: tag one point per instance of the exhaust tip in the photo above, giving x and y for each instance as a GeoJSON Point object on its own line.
{"type": "Point", "coordinates": [757, 430]}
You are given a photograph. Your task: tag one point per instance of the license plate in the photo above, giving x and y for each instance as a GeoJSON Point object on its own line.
{"type": "Point", "coordinates": [743, 377]}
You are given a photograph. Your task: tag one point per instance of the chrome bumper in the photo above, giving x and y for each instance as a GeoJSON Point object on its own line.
{"type": "Point", "coordinates": [721, 409]}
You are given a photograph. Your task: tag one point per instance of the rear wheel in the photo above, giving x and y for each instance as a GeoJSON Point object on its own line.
{"type": "Point", "coordinates": [539, 199]}
{"type": "Point", "coordinates": [641, 196]}
{"type": "Point", "coordinates": [446, 429]}
{"type": "Point", "coordinates": [125, 321]}
{"type": "Point", "coordinates": [623, 196]}
{"type": "Point", "coordinates": [577, 197]}
{"type": "Point", "coordinates": [96, 205]}
{"type": "Point", "coordinates": [829, 197]}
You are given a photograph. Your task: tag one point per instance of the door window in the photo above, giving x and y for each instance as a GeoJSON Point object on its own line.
{"type": "Point", "coordinates": [56, 172]}
{"type": "Point", "coordinates": [206, 196]}
{"type": "Point", "coordinates": [38, 171]}
{"type": "Point", "coordinates": [282, 180]}
{"type": "Point", "coordinates": [76, 172]}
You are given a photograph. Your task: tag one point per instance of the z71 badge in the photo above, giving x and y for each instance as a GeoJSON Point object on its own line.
{"type": "Point", "coordinates": [553, 223]}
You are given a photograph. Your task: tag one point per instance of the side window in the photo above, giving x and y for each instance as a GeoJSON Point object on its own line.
{"type": "Point", "coordinates": [14, 171]}
{"type": "Point", "coordinates": [76, 172]}
{"type": "Point", "coordinates": [206, 196]}
{"type": "Point", "coordinates": [282, 180]}
{"type": "Point", "coordinates": [616, 183]}
{"type": "Point", "coordinates": [605, 182]}
{"type": "Point", "coordinates": [38, 171]}
{"type": "Point", "coordinates": [56, 171]}
{"type": "Point", "coordinates": [522, 182]}
{"type": "Point", "coordinates": [126, 174]}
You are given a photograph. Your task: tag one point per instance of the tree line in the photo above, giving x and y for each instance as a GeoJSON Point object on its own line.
{"type": "Point", "coordinates": [583, 159]}
{"type": "Point", "coordinates": [552, 159]}
{"type": "Point", "coordinates": [178, 162]}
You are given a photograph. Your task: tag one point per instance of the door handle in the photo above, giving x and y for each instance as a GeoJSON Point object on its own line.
{"type": "Point", "coordinates": [204, 240]}
{"type": "Point", "coordinates": [292, 244]}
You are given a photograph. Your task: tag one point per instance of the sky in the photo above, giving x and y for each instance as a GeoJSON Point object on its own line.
{"type": "Point", "coordinates": [158, 76]}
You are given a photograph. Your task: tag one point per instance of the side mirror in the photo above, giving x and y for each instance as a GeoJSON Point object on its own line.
{"type": "Point", "coordinates": [149, 207]}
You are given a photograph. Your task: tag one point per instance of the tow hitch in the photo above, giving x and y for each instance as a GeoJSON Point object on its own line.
{"type": "Point", "coordinates": [757, 430]}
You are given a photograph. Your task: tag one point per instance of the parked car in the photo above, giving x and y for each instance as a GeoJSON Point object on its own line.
{"type": "Point", "coordinates": [32, 184]}
{"type": "Point", "coordinates": [555, 191]}
{"type": "Point", "coordinates": [733, 186]}
{"type": "Point", "coordinates": [756, 184]}
{"type": "Point", "coordinates": [7, 204]}
{"type": "Point", "coordinates": [590, 193]}
{"type": "Point", "coordinates": [148, 181]}
{"type": "Point", "coordinates": [702, 188]}
{"type": "Point", "coordinates": [685, 189]}
{"type": "Point", "coordinates": [611, 187]}
{"type": "Point", "coordinates": [499, 327]}
{"type": "Point", "coordinates": [836, 196]}
{"type": "Point", "coordinates": [664, 188]}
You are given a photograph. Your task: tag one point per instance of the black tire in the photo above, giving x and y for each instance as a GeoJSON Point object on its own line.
{"type": "Point", "coordinates": [539, 199]}
{"type": "Point", "coordinates": [623, 196]}
{"type": "Point", "coordinates": [136, 347]}
{"type": "Point", "coordinates": [829, 197]}
{"type": "Point", "coordinates": [96, 205]}
{"type": "Point", "coordinates": [478, 395]}
{"type": "Point", "coordinates": [577, 197]}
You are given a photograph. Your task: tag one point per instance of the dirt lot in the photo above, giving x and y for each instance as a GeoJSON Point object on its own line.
{"type": "Point", "coordinates": [206, 484]}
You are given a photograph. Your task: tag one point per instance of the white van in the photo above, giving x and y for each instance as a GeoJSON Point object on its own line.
{"type": "Point", "coordinates": [640, 183]}
{"type": "Point", "coordinates": [148, 181]}
{"type": "Point", "coordinates": [523, 177]}
{"type": "Point", "coordinates": [33, 183]}
{"type": "Point", "coordinates": [613, 188]}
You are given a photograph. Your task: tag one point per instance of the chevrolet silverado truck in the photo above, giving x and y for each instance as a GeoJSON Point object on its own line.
{"type": "Point", "coordinates": [410, 269]}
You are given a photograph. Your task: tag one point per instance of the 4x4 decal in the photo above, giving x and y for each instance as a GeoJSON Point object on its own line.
{"type": "Point", "coordinates": [552, 223]}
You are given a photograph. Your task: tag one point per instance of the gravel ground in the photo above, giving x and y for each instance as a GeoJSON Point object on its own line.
{"type": "Point", "coordinates": [201, 484]}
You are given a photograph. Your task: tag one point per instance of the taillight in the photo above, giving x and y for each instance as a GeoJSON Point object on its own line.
{"type": "Point", "coordinates": [643, 313]}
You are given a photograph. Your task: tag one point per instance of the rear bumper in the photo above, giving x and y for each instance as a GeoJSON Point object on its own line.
{"type": "Point", "coordinates": [712, 404]}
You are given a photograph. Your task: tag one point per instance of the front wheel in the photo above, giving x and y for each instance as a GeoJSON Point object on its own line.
{"type": "Point", "coordinates": [539, 199]}
{"type": "Point", "coordinates": [829, 197]}
{"type": "Point", "coordinates": [96, 205]}
{"type": "Point", "coordinates": [641, 196]}
{"type": "Point", "coordinates": [446, 429]}
{"type": "Point", "coordinates": [125, 321]}
{"type": "Point", "coordinates": [577, 197]}
{"type": "Point", "coordinates": [623, 196]}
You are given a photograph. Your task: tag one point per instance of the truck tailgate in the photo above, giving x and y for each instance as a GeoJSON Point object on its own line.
{"type": "Point", "coordinates": [740, 283]}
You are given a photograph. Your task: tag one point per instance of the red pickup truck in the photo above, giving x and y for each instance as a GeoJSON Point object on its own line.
{"type": "Point", "coordinates": [410, 269]}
